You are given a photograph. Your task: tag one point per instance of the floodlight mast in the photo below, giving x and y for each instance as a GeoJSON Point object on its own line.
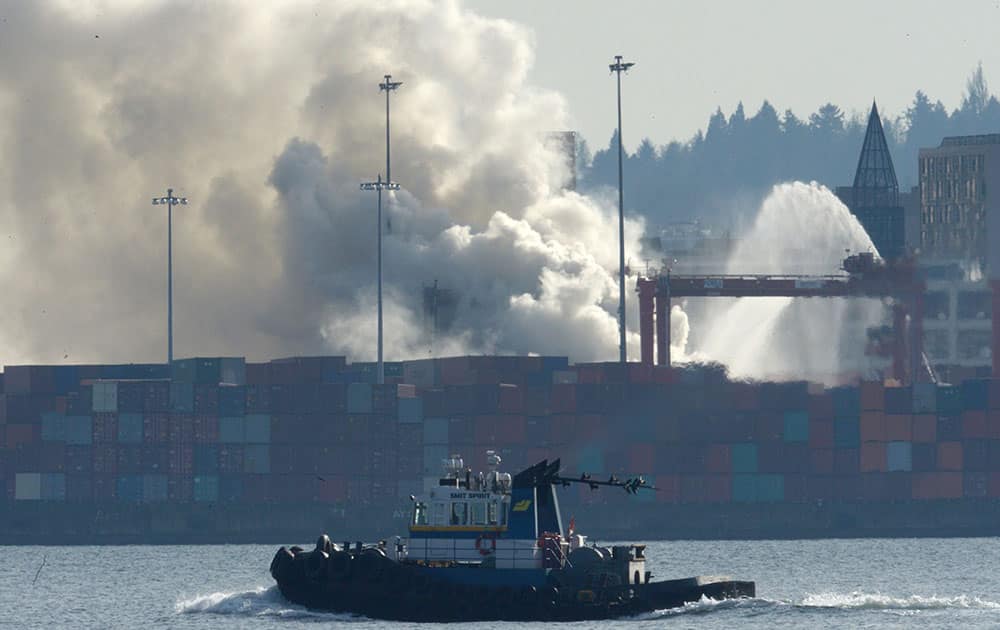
{"type": "Point", "coordinates": [170, 201]}
{"type": "Point", "coordinates": [379, 185]}
{"type": "Point", "coordinates": [388, 86]}
{"type": "Point", "coordinates": [618, 67]}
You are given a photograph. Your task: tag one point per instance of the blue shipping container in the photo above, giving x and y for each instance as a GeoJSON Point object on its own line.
{"type": "Point", "coordinates": [206, 488]}
{"type": "Point", "coordinates": [436, 431]}
{"type": "Point", "coordinates": [796, 426]}
{"type": "Point", "coordinates": [130, 428]}
{"type": "Point", "coordinates": [411, 410]}
{"type": "Point", "coordinates": [744, 458]}
{"type": "Point", "coordinates": [154, 488]}
{"type": "Point", "coordinates": [129, 488]}
{"type": "Point", "coordinates": [257, 459]}
{"type": "Point", "coordinates": [182, 397]}
{"type": "Point", "coordinates": [53, 427]}
{"type": "Point", "coordinates": [206, 459]}
{"type": "Point", "coordinates": [359, 398]}
{"type": "Point", "coordinates": [79, 430]}
{"type": "Point", "coordinates": [900, 456]}
{"type": "Point", "coordinates": [232, 400]}
{"type": "Point", "coordinates": [257, 429]}
{"type": "Point", "coordinates": [231, 430]}
{"type": "Point", "coordinates": [846, 432]}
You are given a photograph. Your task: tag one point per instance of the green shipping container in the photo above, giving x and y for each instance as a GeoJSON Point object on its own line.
{"type": "Point", "coordinates": [758, 488]}
{"type": "Point", "coordinates": [257, 459]}
{"type": "Point", "coordinates": [206, 488]}
{"type": "Point", "coordinates": [590, 459]}
{"type": "Point", "coordinates": [232, 431]}
{"type": "Point", "coordinates": [359, 398]}
{"type": "Point", "coordinates": [846, 432]}
{"type": "Point", "coordinates": [411, 410]}
{"type": "Point", "coordinates": [796, 426]}
{"type": "Point", "coordinates": [130, 428]}
{"type": "Point", "coordinates": [257, 429]}
{"type": "Point", "coordinates": [744, 458]}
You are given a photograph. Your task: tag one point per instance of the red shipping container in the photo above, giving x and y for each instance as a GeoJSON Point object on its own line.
{"type": "Point", "coordinates": [563, 399]}
{"type": "Point", "coordinates": [994, 485]}
{"type": "Point", "coordinates": [511, 399]}
{"type": "Point", "coordinates": [939, 485]}
{"type": "Point", "coordinates": [949, 456]}
{"type": "Point", "coordinates": [898, 428]}
{"type": "Point", "coordinates": [995, 393]}
{"type": "Point", "coordinates": [993, 419]}
{"type": "Point", "coordinates": [640, 373]}
{"type": "Point", "coordinates": [61, 404]}
{"type": "Point", "coordinates": [18, 434]}
{"type": "Point", "coordinates": [872, 426]}
{"type": "Point", "coordinates": [821, 461]}
{"type": "Point", "coordinates": [873, 457]}
{"type": "Point", "coordinates": [872, 396]}
{"type": "Point", "coordinates": [925, 428]}
{"type": "Point", "coordinates": [332, 489]}
{"type": "Point", "coordinates": [641, 458]}
{"type": "Point", "coordinates": [512, 430]}
{"type": "Point", "coordinates": [718, 458]}
{"type": "Point", "coordinates": [590, 427]}
{"type": "Point", "coordinates": [821, 406]}
{"type": "Point", "coordinates": [820, 433]}
{"type": "Point", "coordinates": [975, 425]}
{"type": "Point", "coordinates": [668, 488]}
{"type": "Point", "coordinates": [536, 455]}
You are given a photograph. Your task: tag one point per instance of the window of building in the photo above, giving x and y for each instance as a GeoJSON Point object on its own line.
{"type": "Point", "coordinates": [937, 305]}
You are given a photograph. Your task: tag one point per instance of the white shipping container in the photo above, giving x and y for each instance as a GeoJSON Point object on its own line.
{"type": "Point", "coordinates": [28, 486]}
{"type": "Point", "coordinates": [105, 396]}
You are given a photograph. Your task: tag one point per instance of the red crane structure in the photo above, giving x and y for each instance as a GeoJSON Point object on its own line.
{"type": "Point", "coordinates": [866, 277]}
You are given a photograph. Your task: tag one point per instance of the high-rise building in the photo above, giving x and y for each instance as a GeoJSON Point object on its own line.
{"type": "Point", "coordinates": [957, 197]}
{"type": "Point", "coordinates": [874, 197]}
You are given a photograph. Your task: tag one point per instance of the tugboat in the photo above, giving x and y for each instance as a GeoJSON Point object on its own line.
{"type": "Point", "coordinates": [489, 547]}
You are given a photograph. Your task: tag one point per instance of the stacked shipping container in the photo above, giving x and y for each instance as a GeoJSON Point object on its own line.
{"type": "Point", "coordinates": [318, 430]}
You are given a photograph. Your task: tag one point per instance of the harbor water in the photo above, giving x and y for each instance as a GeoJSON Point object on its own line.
{"type": "Point", "coordinates": [883, 583]}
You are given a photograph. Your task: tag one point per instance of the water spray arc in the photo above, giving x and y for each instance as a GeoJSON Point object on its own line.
{"type": "Point", "coordinates": [618, 67]}
{"type": "Point", "coordinates": [379, 185]}
{"type": "Point", "coordinates": [170, 201]}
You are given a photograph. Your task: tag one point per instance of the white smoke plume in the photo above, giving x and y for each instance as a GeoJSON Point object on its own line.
{"type": "Point", "coordinates": [267, 116]}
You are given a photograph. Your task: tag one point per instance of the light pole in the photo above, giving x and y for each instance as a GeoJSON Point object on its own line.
{"type": "Point", "coordinates": [379, 186]}
{"type": "Point", "coordinates": [388, 86]}
{"type": "Point", "coordinates": [170, 201]}
{"type": "Point", "coordinates": [618, 67]}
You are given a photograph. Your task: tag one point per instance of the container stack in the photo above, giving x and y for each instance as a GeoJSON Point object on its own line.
{"type": "Point", "coordinates": [318, 430]}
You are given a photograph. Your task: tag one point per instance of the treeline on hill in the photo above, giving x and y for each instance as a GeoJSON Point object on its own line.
{"type": "Point", "coordinates": [722, 173]}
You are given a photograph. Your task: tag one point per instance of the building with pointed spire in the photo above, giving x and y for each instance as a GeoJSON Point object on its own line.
{"type": "Point", "coordinates": [874, 197]}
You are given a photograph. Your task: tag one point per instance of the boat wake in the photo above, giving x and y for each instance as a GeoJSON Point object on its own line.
{"type": "Point", "coordinates": [877, 601]}
{"type": "Point", "coordinates": [260, 602]}
{"type": "Point", "coordinates": [854, 601]}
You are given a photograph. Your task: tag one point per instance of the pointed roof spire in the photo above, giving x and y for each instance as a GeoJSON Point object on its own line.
{"type": "Point", "coordinates": [875, 183]}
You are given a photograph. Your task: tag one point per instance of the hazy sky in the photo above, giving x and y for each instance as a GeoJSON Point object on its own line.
{"type": "Point", "coordinates": [694, 56]}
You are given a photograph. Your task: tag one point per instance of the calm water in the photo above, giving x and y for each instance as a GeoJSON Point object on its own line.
{"type": "Point", "coordinates": [903, 583]}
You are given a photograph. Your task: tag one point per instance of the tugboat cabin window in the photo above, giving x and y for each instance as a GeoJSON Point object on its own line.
{"type": "Point", "coordinates": [478, 513]}
{"type": "Point", "coordinates": [504, 509]}
{"type": "Point", "coordinates": [491, 513]}
{"type": "Point", "coordinates": [460, 513]}
{"type": "Point", "coordinates": [439, 512]}
{"type": "Point", "coordinates": [420, 514]}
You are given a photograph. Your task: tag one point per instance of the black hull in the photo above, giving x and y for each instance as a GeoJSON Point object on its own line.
{"type": "Point", "coordinates": [400, 593]}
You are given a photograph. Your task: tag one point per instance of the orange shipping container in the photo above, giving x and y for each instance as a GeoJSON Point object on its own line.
{"type": "Point", "coordinates": [898, 428]}
{"type": "Point", "coordinates": [873, 457]}
{"type": "Point", "coordinates": [949, 456]}
{"type": "Point", "coordinates": [872, 426]}
{"type": "Point", "coordinates": [925, 428]}
{"type": "Point", "coordinates": [975, 425]}
{"type": "Point", "coordinates": [872, 396]}
{"type": "Point", "coordinates": [940, 485]}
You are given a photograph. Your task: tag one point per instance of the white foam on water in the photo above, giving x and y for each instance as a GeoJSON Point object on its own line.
{"type": "Point", "coordinates": [260, 602]}
{"type": "Point", "coordinates": [857, 600]}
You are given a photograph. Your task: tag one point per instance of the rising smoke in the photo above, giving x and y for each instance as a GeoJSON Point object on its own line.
{"type": "Point", "coordinates": [267, 118]}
